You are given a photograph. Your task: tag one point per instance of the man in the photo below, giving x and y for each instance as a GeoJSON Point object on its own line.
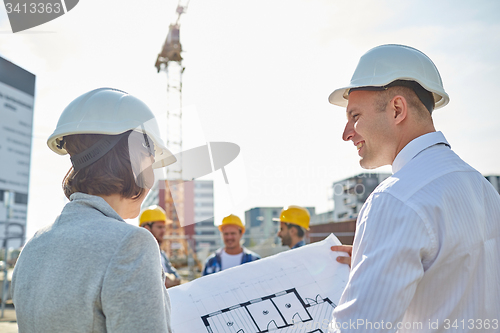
{"type": "Point", "coordinates": [425, 254]}
{"type": "Point", "coordinates": [154, 219]}
{"type": "Point", "coordinates": [232, 254]}
{"type": "Point", "coordinates": [294, 221]}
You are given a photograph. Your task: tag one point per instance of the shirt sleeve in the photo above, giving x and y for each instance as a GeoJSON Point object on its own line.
{"type": "Point", "coordinates": [168, 265]}
{"type": "Point", "coordinates": [390, 245]}
{"type": "Point", "coordinates": [208, 268]}
{"type": "Point", "coordinates": [134, 297]}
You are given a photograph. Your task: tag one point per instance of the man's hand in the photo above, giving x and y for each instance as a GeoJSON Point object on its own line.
{"type": "Point", "coordinates": [171, 280]}
{"type": "Point", "coordinates": [343, 248]}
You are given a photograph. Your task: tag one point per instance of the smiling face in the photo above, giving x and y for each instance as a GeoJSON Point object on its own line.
{"type": "Point", "coordinates": [370, 129]}
{"type": "Point", "coordinates": [231, 235]}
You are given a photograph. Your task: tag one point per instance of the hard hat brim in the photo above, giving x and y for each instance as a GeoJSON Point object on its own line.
{"type": "Point", "coordinates": [340, 97]}
{"type": "Point", "coordinates": [337, 97]}
{"type": "Point", "coordinates": [221, 226]}
{"type": "Point", "coordinates": [276, 219]}
{"type": "Point", "coordinates": [163, 156]}
{"type": "Point", "coordinates": [109, 111]}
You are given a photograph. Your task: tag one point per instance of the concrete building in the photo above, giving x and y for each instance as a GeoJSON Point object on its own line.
{"type": "Point", "coordinates": [323, 224]}
{"type": "Point", "coordinates": [495, 181]}
{"type": "Point", "coordinates": [322, 218]}
{"type": "Point", "coordinates": [260, 226]}
{"type": "Point", "coordinates": [17, 95]}
{"type": "Point", "coordinates": [261, 230]}
{"type": "Point", "coordinates": [206, 234]}
{"type": "Point", "coordinates": [350, 194]}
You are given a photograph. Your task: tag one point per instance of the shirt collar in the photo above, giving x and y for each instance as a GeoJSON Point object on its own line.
{"type": "Point", "coordinates": [414, 147]}
{"type": "Point", "coordinates": [299, 244]}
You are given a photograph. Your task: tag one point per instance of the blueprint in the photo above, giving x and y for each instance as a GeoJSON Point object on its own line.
{"type": "Point", "coordinates": [293, 291]}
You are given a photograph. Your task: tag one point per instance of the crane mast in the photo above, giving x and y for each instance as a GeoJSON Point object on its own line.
{"type": "Point", "coordinates": [180, 246]}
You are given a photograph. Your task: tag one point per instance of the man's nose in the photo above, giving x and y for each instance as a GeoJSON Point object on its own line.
{"type": "Point", "coordinates": [348, 132]}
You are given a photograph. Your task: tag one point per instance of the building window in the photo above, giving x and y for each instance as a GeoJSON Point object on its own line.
{"type": "Point", "coordinates": [209, 223]}
{"type": "Point", "coordinates": [21, 198]}
{"type": "Point", "coordinates": [204, 185]}
{"type": "Point", "coordinates": [204, 195]}
{"type": "Point", "coordinates": [206, 232]}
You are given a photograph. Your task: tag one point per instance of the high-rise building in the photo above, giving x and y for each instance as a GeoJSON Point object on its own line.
{"type": "Point", "coordinates": [17, 96]}
{"type": "Point", "coordinates": [206, 234]}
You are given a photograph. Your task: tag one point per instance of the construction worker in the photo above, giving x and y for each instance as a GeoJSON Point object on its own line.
{"type": "Point", "coordinates": [154, 219]}
{"type": "Point", "coordinates": [425, 252]}
{"type": "Point", "coordinates": [90, 271]}
{"type": "Point", "coordinates": [233, 253]}
{"type": "Point", "coordinates": [294, 221]}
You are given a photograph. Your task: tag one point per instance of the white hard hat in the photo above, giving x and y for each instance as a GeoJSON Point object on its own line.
{"type": "Point", "coordinates": [109, 111]}
{"type": "Point", "coordinates": [387, 63]}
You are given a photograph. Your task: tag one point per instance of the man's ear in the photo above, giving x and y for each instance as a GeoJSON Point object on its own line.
{"type": "Point", "coordinates": [399, 108]}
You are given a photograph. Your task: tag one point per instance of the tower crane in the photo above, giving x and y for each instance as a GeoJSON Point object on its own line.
{"type": "Point", "coordinates": [180, 246]}
{"type": "Point", "coordinates": [172, 48]}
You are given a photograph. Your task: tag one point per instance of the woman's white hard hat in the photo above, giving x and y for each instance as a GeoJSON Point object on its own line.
{"type": "Point", "coordinates": [109, 111]}
{"type": "Point", "coordinates": [387, 63]}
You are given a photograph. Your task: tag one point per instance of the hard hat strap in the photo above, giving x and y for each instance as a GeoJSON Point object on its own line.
{"type": "Point", "coordinates": [96, 151]}
{"type": "Point", "coordinates": [148, 143]}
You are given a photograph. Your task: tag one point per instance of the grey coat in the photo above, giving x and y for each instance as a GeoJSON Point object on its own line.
{"type": "Point", "coordinates": [90, 272]}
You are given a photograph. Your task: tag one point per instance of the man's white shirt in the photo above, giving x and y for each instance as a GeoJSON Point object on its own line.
{"type": "Point", "coordinates": [425, 254]}
{"type": "Point", "coordinates": [230, 260]}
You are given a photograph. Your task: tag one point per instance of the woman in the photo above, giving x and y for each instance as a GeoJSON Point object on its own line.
{"type": "Point", "coordinates": [90, 271]}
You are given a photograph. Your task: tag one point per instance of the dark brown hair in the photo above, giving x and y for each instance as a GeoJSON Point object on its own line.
{"type": "Point", "coordinates": [111, 174]}
{"type": "Point", "coordinates": [300, 230]}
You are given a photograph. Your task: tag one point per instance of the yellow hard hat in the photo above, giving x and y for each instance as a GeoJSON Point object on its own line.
{"type": "Point", "coordinates": [234, 220]}
{"type": "Point", "coordinates": [295, 215]}
{"type": "Point", "coordinates": [152, 214]}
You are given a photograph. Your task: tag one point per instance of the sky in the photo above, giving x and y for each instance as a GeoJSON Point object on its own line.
{"type": "Point", "coordinates": [258, 74]}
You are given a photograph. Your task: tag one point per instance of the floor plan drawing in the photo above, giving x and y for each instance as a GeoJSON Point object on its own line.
{"type": "Point", "coordinates": [275, 312]}
{"type": "Point", "coordinates": [294, 291]}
